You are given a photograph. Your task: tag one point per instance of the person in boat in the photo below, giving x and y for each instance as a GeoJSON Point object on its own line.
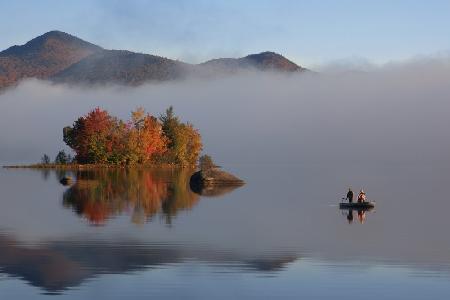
{"type": "Point", "coordinates": [361, 196]}
{"type": "Point", "coordinates": [350, 195]}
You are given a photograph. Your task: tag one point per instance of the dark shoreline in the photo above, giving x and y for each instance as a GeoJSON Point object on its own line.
{"type": "Point", "coordinates": [94, 166]}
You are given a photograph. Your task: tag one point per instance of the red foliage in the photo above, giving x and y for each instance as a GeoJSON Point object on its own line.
{"type": "Point", "coordinates": [100, 138]}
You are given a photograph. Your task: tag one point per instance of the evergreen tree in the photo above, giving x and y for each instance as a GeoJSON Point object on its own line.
{"type": "Point", "coordinates": [62, 158]}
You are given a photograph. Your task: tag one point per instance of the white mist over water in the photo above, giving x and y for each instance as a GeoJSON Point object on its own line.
{"type": "Point", "coordinates": [394, 114]}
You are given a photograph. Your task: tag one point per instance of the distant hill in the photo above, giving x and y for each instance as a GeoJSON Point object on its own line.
{"type": "Point", "coordinates": [42, 57]}
{"type": "Point", "coordinates": [264, 61]}
{"type": "Point", "coordinates": [122, 67]}
{"type": "Point", "coordinates": [64, 58]}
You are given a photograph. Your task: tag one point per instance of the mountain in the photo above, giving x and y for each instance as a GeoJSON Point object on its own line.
{"type": "Point", "coordinates": [264, 61]}
{"type": "Point", "coordinates": [42, 57]}
{"type": "Point", "coordinates": [63, 58]}
{"type": "Point", "coordinates": [122, 67]}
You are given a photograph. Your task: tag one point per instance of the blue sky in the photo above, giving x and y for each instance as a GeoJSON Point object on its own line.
{"type": "Point", "coordinates": [308, 32]}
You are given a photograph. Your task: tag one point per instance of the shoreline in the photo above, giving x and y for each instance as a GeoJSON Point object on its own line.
{"type": "Point", "coordinates": [94, 166]}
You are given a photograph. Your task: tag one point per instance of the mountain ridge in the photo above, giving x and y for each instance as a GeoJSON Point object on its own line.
{"type": "Point", "coordinates": [63, 58]}
{"type": "Point", "coordinates": [42, 57]}
{"type": "Point", "coordinates": [263, 61]}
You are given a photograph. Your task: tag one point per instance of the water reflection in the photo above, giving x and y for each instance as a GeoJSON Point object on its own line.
{"type": "Point", "coordinates": [213, 190]}
{"type": "Point", "coordinates": [360, 214]}
{"type": "Point", "coordinates": [102, 194]}
{"type": "Point", "coordinates": [252, 233]}
{"type": "Point", "coordinates": [57, 266]}
{"type": "Point", "coordinates": [98, 195]}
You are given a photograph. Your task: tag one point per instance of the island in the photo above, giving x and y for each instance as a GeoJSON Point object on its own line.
{"type": "Point", "coordinates": [100, 140]}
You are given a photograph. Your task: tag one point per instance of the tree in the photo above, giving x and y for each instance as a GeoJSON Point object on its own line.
{"type": "Point", "coordinates": [117, 145]}
{"type": "Point", "coordinates": [45, 159]}
{"type": "Point", "coordinates": [100, 138]}
{"type": "Point", "coordinates": [152, 140]}
{"type": "Point", "coordinates": [69, 136]}
{"type": "Point", "coordinates": [138, 117]}
{"type": "Point", "coordinates": [62, 158]}
{"type": "Point", "coordinates": [184, 141]}
{"type": "Point", "coordinates": [194, 144]}
{"type": "Point", "coordinates": [206, 162]}
{"type": "Point", "coordinates": [170, 123]}
{"type": "Point", "coordinates": [90, 136]}
{"type": "Point", "coordinates": [145, 138]}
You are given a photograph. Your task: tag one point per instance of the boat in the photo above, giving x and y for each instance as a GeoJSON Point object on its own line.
{"type": "Point", "coordinates": [357, 205]}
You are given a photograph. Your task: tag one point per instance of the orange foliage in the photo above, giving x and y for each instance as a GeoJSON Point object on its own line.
{"type": "Point", "coordinates": [101, 138]}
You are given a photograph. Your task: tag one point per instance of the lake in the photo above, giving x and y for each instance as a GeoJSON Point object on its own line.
{"type": "Point", "coordinates": [298, 142]}
{"type": "Point", "coordinates": [143, 233]}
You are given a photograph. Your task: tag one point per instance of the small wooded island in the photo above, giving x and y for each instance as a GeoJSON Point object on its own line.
{"type": "Point", "coordinates": [100, 140]}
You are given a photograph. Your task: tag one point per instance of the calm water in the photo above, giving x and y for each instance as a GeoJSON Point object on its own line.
{"type": "Point", "coordinates": [144, 233]}
{"type": "Point", "coordinates": [147, 235]}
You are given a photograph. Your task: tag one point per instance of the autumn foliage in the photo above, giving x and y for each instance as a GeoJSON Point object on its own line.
{"type": "Point", "coordinates": [99, 138]}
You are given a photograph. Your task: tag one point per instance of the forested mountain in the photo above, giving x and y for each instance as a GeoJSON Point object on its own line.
{"type": "Point", "coordinates": [123, 67]}
{"type": "Point", "coordinates": [61, 57]}
{"type": "Point", "coordinates": [42, 57]}
{"type": "Point", "coordinates": [264, 61]}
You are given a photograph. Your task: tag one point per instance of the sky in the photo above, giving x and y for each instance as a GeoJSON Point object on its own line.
{"type": "Point", "coordinates": [308, 32]}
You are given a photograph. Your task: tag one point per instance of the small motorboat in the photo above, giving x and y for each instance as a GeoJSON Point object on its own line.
{"type": "Point", "coordinates": [357, 205]}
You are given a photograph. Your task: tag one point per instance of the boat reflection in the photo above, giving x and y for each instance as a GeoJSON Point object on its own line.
{"type": "Point", "coordinates": [99, 195]}
{"type": "Point", "coordinates": [360, 214]}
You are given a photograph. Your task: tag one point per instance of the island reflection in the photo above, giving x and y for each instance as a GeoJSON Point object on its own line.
{"type": "Point", "coordinates": [99, 195]}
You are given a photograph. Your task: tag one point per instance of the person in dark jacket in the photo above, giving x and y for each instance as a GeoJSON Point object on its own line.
{"type": "Point", "coordinates": [350, 195]}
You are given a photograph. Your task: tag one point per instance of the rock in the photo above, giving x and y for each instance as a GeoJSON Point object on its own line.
{"type": "Point", "coordinates": [214, 182]}
{"type": "Point", "coordinates": [66, 180]}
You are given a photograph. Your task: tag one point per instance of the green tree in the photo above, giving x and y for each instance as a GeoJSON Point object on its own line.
{"type": "Point", "coordinates": [184, 141]}
{"type": "Point", "coordinates": [63, 158]}
{"type": "Point", "coordinates": [170, 124]}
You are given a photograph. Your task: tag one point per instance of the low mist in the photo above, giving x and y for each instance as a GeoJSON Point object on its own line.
{"type": "Point", "coordinates": [394, 114]}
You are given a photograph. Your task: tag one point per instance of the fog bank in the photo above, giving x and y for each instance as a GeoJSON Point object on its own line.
{"type": "Point", "coordinates": [393, 114]}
